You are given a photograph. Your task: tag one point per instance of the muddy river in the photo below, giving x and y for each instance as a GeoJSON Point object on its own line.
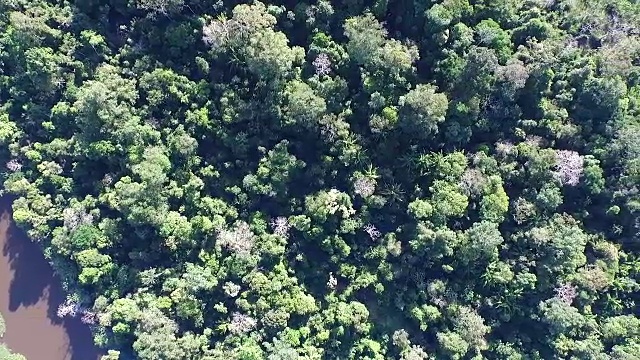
{"type": "Point", "coordinates": [29, 297]}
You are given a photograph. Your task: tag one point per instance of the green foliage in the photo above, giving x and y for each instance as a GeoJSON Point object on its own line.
{"type": "Point", "coordinates": [331, 179]}
{"type": "Point", "coordinates": [448, 200]}
{"type": "Point", "coordinates": [366, 37]}
{"type": "Point", "coordinates": [481, 242]}
{"type": "Point", "coordinates": [303, 107]}
{"type": "Point", "coordinates": [422, 110]}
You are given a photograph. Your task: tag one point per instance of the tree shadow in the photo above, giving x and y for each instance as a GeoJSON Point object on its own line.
{"type": "Point", "coordinates": [34, 281]}
{"type": "Point", "coordinates": [32, 274]}
{"type": "Point", "coordinates": [81, 346]}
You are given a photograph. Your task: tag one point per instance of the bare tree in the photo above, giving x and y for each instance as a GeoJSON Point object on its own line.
{"type": "Point", "coordinates": [76, 216]}
{"type": "Point", "coordinates": [14, 165]}
{"type": "Point", "coordinates": [89, 317]}
{"type": "Point", "coordinates": [566, 293]}
{"type": "Point", "coordinates": [280, 226]}
{"type": "Point", "coordinates": [374, 234]}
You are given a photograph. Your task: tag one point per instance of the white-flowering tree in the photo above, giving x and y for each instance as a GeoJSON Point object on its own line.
{"type": "Point", "coordinates": [568, 167]}
{"type": "Point", "coordinates": [322, 64]}
{"type": "Point", "coordinates": [231, 289]}
{"type": "Point", "coordinates": [69, 308]}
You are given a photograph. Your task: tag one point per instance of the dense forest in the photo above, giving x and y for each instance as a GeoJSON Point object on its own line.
{"type": "Point", "coordinates": [331, 179]}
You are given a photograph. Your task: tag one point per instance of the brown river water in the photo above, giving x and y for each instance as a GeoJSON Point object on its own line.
{"type": "Point", "coordinates": [29, 297]}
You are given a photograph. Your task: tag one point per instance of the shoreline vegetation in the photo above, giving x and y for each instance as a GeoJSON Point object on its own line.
{"type": "Point", "coordinates": [30, 295]}
{"type": "Point", "coordinates": [331, 179]}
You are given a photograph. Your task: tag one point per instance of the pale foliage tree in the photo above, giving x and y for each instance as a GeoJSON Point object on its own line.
{"type": "Point", "coordinates": [231, 289]}
{"type": "Point", "coordinates": [514, 73]}
{"type": "Point", "coordinates": [504, 148]}
{"type": "Point", "coordinates": [415, 352]}
{"type": "Point", "coordinates": [239, 240]}
{"type": "Point", "coordinates": [401, 338]}
{"type": "Point", "coordinates": [472, 182]}
{"type": "Point", "coordinates": [161, 6]}
{"type": "Point", "coordinates": [364, 186]}
{"type": "Point", "coordinates": [246, 21]}
{"type": "Point", "coordinates": [241, 323]}
{"type": "Point", "coordinates": [216, 33]}
{"type": "Point", "coordinates": [568, 167]}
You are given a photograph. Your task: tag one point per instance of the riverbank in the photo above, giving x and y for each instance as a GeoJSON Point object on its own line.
{"type": "Point", "coordinates": [30, 294]}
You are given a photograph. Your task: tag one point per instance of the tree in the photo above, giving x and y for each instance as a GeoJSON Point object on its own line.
{"type": "Point", "coordinates": [481, 242]}
{"type": "Point", "coordinates": [103, 110]}
{"type": "Point", "coordinates": [299, 180]}
{"type": "Point", "coordinates": [275, 171]}
{"type": "Point", "coordinates": [447, 200]}
{"type": "Point", "coordinates": [249, 35]}
{"type": "Point", "coordinates": [470, 325]}
{"type": "Point", "coordinates": [562, 243]}
{"type": "Point", "coordinates": [327, 203]}
{"type": "Point", "coordinates": [494, 205]}
{"type": "Point", "coordinates": [156, 336]}
{"type": "Point", "coordinates": [561, 318]}
{"type": "Point", "coordinates": [491, 35]}
{"type": "Point", "coordinates": [303, 106]}
{"type": "Point", "coordinates": [422, 109]}
{"type": "Point", "coordinates": [452, 344]}
{"type": "Point", "coordinates": [93, 265]}
{"type": "Point", "coordinates": [5, 352]}
{"type": "Point", "coordinates": [164, 7]}
{"type": "Point", "coordinates": [477, 75]}
{"type": "Point", "coordinates": [269, 55]}
{"type": "Point", "coordinates": [366, 36]}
